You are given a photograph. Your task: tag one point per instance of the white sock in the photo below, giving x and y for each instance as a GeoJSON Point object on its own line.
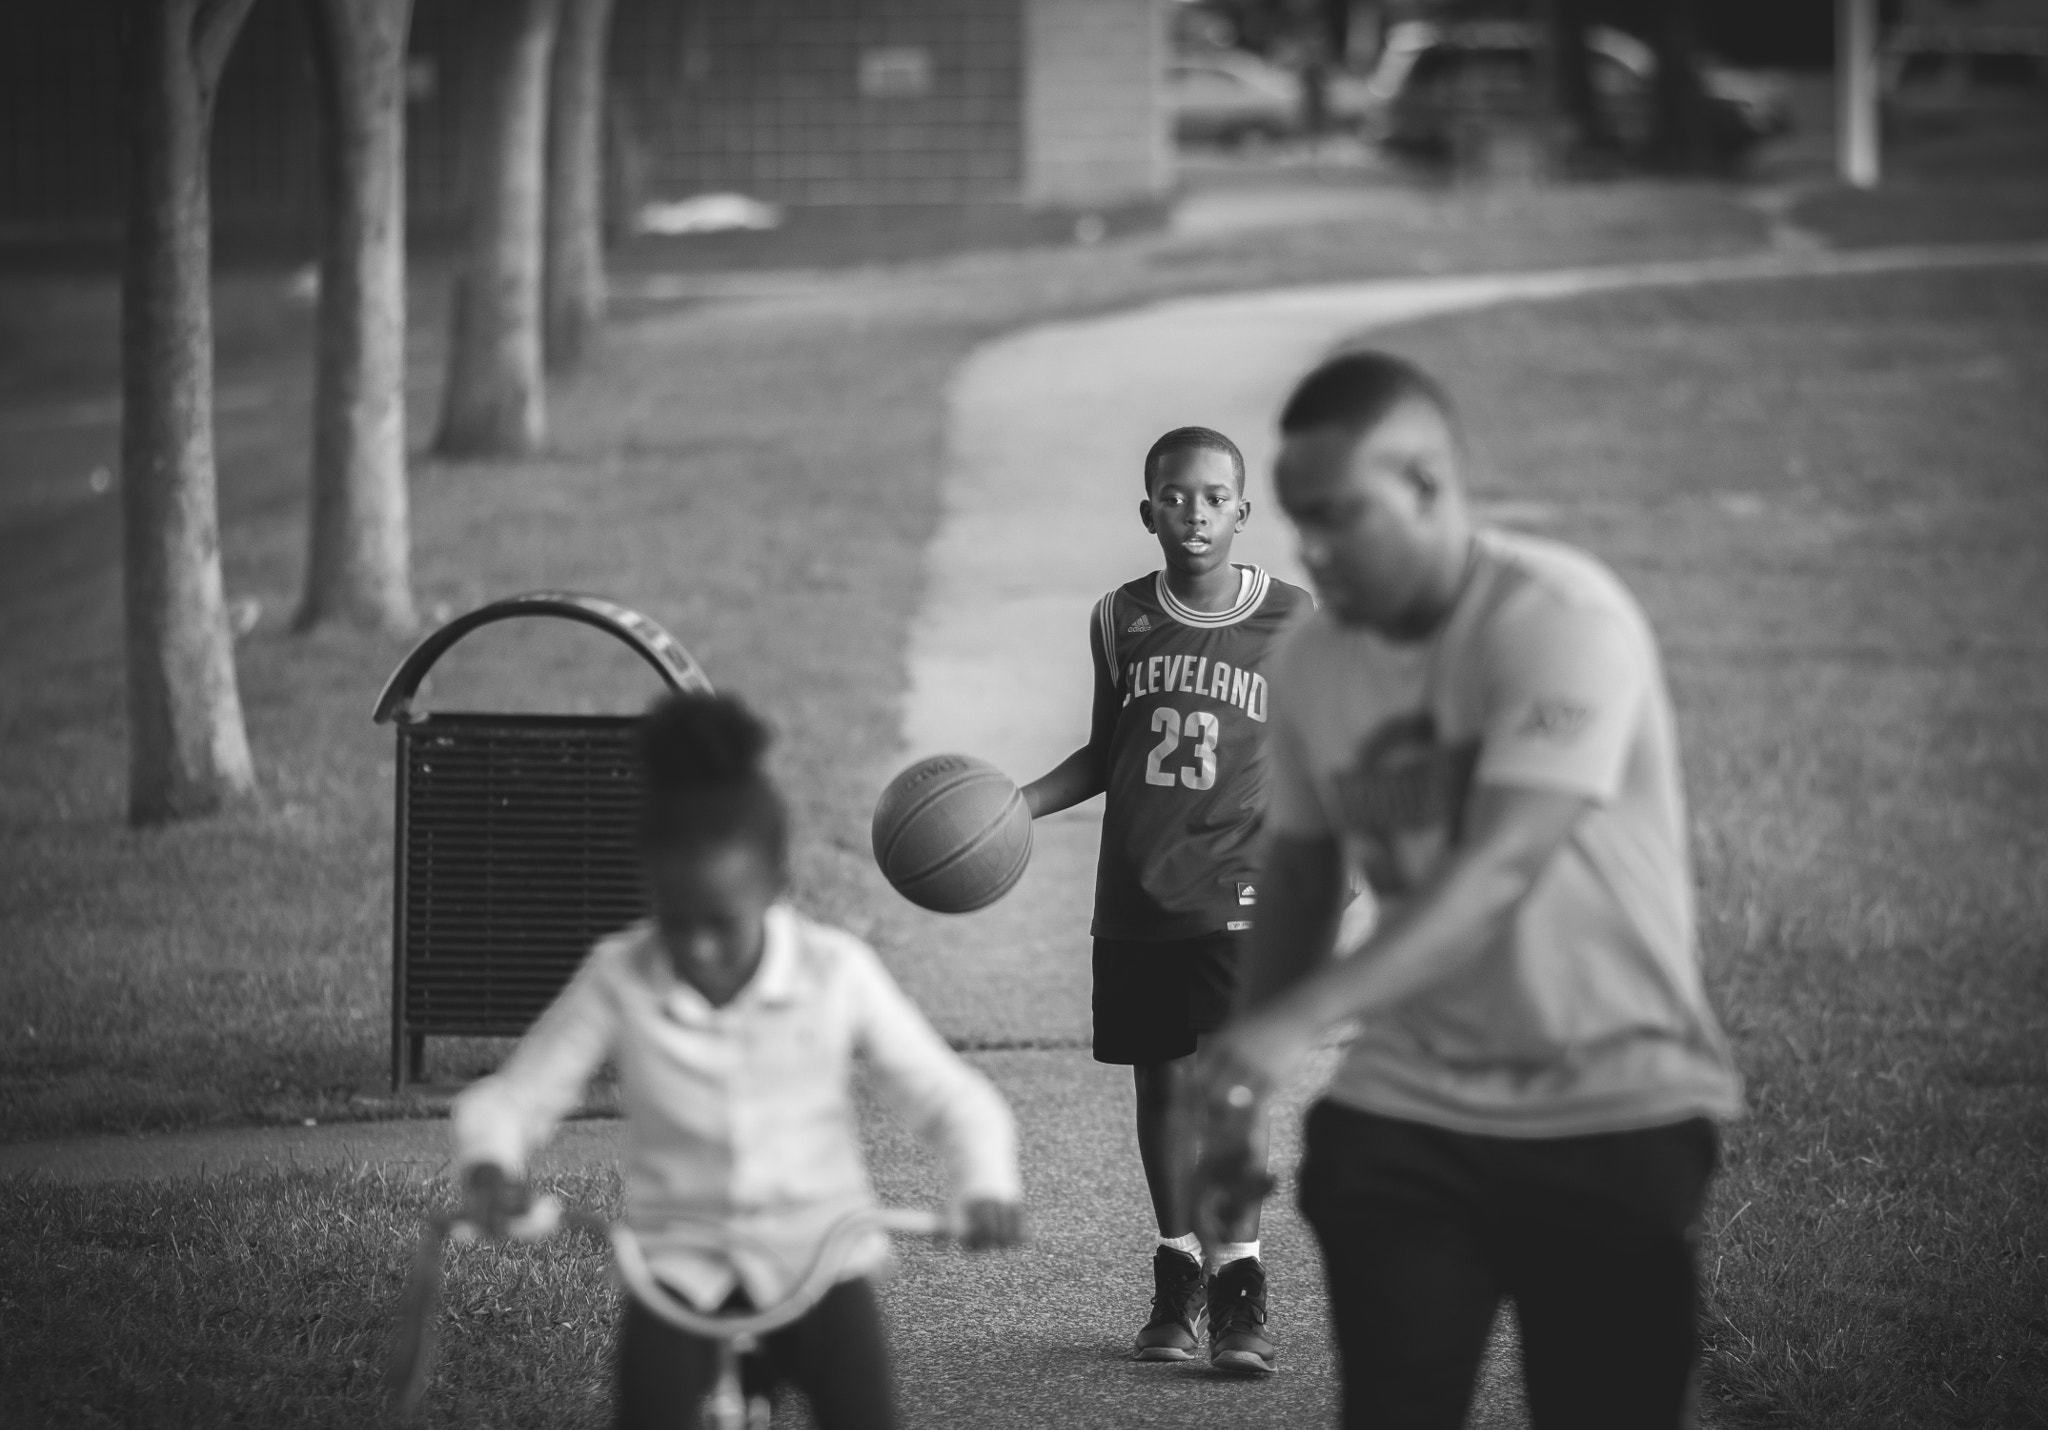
{"type": "Point", "coordinates": [1229, 1251]}
{"type": "Point", "coordinates": [1189, 1246]}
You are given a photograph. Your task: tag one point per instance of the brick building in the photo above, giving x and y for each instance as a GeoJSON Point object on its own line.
{"type": "Point", "coordinates": [806, 102]}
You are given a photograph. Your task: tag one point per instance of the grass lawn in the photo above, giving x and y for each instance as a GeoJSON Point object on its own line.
{"type": "Point", "coordinates": [1831, 495]}
{"type": "Point", "coordinates": [269, 1300]}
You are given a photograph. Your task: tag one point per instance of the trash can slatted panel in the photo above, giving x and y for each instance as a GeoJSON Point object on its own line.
{"type": "Point", "coordinates": [518, 853]}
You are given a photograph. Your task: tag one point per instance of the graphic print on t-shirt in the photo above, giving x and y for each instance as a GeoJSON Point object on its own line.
{"type": "Point", "coordinates": [1403, 798]}
{"type": "Point", "coordinates": [1187, 761]}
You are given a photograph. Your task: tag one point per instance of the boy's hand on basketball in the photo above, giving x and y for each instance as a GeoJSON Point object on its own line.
{"type": "Point", "coordinates": [492, 1199]}
{"type": "Point", "coordinates": [988, 1224]}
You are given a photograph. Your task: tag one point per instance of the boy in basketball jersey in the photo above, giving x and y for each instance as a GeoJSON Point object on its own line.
{"type": "Point", "coordinates": [1176, 741]}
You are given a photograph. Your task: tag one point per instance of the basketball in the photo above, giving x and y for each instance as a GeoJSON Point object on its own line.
{"type": "Point", "coordinates": [952, 834]}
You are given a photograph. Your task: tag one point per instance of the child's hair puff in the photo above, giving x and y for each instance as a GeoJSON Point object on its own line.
{"type": "Point", "coordinates": [702, 778]}
{"type": "Point", "coordinates": [692, 740]}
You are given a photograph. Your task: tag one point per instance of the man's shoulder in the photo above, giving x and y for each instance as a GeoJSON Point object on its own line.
{"type": "Point", "coordinates": [1549, 603]}
{"type": "Point", "coordinates": [1537, 567]}
{"type": "Point", "coordinates": [1541, 581]}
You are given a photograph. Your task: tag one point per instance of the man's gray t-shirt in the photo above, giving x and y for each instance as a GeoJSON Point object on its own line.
{"type": "Point", "coordinates": [1588, 1015]}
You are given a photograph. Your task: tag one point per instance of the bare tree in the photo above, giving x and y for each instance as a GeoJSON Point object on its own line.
{"type": "Point", "coordinates": [1584, 131]}
{"type": "Point", "coordinates": [358, 561]}
{"type": "Point", "coordinates": [1679, 138]}
{"type": "Point", "coordinates": [495, 403]}
{"type": "Point", "coordinates": [188, 751]}
{"type": "Point", "coordinates": [575, 281]}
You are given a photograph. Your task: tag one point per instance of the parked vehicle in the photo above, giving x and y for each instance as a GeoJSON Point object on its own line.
{"type": "Point", "coordinates": [1234, 97]}
{"type": "Point", "coordinates": [1433, 79]}
{"type": "Point", "coordinates": [1231, 97]}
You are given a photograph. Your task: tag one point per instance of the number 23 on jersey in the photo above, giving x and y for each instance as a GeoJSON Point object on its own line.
{"type": "Point", "coordinates": [1202, 730]}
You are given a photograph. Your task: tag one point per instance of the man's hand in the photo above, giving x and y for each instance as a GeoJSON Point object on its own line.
{"type": "Point", "coordinates": [989, 1225]}
{"type": "Point", "coordinates": [493, 1200]}
{"type": "Point", "coordinates": [1243, 1061]}
{"type": "Point", "coordinates": [1238, 1068]}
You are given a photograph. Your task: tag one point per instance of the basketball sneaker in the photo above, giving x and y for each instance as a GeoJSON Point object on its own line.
{"type": "Point", "coordinates": [1237, 1318]}
{"type": "Point", "coordinates": [1180, 1308]}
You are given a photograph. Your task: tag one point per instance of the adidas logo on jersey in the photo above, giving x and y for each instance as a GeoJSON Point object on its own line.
{"type": "Point", "coordinates": [1139, 626]}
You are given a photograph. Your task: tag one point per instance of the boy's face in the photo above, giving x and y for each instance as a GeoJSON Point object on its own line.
{"type": "Point", "coordinates": [711, 907]}
{"type": "Point", "coordinates": [1195, 509]}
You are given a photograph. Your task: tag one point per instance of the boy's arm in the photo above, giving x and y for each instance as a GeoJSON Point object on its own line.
{"type": "Point", "coordinates": [498, 1121]}
{"type": "Point", "coordinates": [1085, 773]}
{"type": "Point", "coordinates": [951, 1106]}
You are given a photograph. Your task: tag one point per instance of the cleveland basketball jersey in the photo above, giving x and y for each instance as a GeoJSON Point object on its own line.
{"type": "Point", "coordinates": [1187, 761]}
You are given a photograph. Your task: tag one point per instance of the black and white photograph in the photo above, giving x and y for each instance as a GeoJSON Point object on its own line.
{"type": "Point", "coordinates": [1024, 714]}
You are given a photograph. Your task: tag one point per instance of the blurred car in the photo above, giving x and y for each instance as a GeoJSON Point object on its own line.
{"type": "Point", "coordinates": [1233, 97]}
{"type": "Point", "coordinates": [1432, 79]}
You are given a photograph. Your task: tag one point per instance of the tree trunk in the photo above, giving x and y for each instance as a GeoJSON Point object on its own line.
{"type": "Point", "coordinates": [575, 216]}
{"type": "Point", "coordinates": [495, 403]}
{"type": "Point", "coordinates": [188, 751]}
{"type": "Point", "coordinates": [1581, 119]}
{"type": "Point", "coordinates": [1679, 139]}
{"type": "Point", "coordinates": [1311, 33]}
{"type": "Point", "coordinates": [358, 561]}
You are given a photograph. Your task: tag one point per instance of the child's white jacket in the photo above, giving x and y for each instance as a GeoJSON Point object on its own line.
{"type": "Point", "coordinates": [742, 1115]}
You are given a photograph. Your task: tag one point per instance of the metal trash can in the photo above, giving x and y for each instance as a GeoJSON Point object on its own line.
{"type": "Point", "coordinates": [515, 840]}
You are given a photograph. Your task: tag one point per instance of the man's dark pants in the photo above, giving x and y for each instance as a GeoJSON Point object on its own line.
{"type": "Point", "coordinates": [1423, 1231]}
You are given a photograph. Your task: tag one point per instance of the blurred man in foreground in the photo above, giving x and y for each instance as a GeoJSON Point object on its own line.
{"type": "Point", "coordinates": [1478, 722]}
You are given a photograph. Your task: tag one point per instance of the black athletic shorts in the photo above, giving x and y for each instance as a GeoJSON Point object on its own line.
{"type": "Point", "coordinates": [1153, 996]}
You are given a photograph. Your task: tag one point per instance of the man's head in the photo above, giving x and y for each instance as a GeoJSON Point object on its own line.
{"type": "Point", "coordinates": [1194, 498]}
{"type": "Point", "coordinates": [1369, 472]}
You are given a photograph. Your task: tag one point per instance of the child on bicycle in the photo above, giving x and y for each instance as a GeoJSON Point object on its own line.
{"type": "Point", "coordinates": [732, 1021]}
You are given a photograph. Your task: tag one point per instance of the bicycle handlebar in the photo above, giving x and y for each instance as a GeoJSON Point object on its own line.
{"type": "Point", "coordinates": [547, 1216]}
{"type": "Point", "coordinates": [817, 1279]}
{"type": "Point", "coordinates": [412, 1348]}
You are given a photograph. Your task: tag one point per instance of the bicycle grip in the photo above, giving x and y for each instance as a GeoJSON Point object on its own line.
{"type": "Point", "coordinates": [542, 1219]}
{"type": "Point", "coordinates": [917, 1221]}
